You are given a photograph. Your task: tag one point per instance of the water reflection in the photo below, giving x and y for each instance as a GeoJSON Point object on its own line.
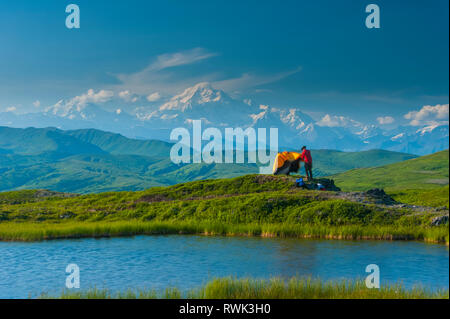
{"type": "Point", "coordinates": [189, 261]}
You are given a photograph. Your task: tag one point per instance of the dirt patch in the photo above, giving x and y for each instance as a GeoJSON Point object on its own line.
{"type": "Point", "coordinates": [157, 198]}
{"type": "Point", "coordinates": [379, 198]}
{"type": "Point", "coordinates": [373, 196]}
{"type": "Point", "coordinates": [43, 193]}
{"type": "Point", "coordinates": [262, 179]}
{"type": "Point", "coordinates": [154, 198]}
{"type": "Point", "coordinates": [439, 181]}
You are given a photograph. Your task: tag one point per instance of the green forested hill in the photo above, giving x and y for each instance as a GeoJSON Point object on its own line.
{"type": "Point", "coordinates": [34, 141]}
{"type": "Point", "coordinates": [119, 144]}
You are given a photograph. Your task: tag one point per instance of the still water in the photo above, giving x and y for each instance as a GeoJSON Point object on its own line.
{"type": "Point", "coordinates": [28, 269]}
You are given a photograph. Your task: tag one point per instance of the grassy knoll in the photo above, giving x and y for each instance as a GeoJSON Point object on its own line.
{"type": "Point", "coordinates": [275, 288]}
{"type": "Point", "coordinates": [257, 205]}
{"type": "Point", "coordinates": [31, 196]}
{"type": "Point", "coordinates": [426, 172]}
{"type": "Point", "coordinates": [438, 197]}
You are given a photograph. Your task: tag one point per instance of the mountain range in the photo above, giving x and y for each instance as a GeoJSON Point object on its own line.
{"type": "Point", "coordinates": [217, 109]}
{"type": "Point", "coordinates": [90, 160]}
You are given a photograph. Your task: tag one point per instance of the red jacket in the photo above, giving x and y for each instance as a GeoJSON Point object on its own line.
{"type": "Point", "coordinates": [306, 156]}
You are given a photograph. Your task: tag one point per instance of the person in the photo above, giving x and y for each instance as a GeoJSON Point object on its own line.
{"type": "Point", "coordinates": [307, 159]}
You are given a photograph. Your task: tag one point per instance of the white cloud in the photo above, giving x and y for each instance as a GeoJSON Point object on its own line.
{"type": "Point", "coordinates": [127, 96]}
{"type": "Point", "coordinates": [263, 91]}
{"type": "Point", "coordinates": [180, 58]}
{"type": "Point", "coordinates": [337, 121]}
{"type": "Point", "coordinates": [384, 120]}
{"type": "Point", "coordinates": [101, 96]}
{"type": "Point", "coordinates": [153, 97]}
{"type": "Point", "coordinates": [124, 94]}
{"type": "Point", "coordinates": [11, 109]}
{"type": "Point", "coordinates": [248, 80]}
{"type": "Point", "coordinates": [429, 115]}
{"type": "Point", "coordinates": [160, 76]}
{"type": "Point", "coordinates": [63, 107]}
{"type": "Point", "coordinates": [37, 103]}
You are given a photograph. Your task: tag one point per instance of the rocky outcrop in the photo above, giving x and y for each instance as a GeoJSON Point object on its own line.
{"type": "Point", "coordinates": [380, 197]}
{"type": "Point", "coordinates": [328, 184]}
{"type": "Point", "coordinates": [440, 220]}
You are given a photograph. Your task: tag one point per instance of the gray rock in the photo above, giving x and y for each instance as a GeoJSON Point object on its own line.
{"type": "Point", "coordinates": [440, 220]}
{"type": "Point", "coordinates": [380, 197]}
{"type": "Point", "coordinates": [67, 215]}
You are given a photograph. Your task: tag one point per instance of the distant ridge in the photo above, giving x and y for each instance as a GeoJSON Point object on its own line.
{"type": "Point", "coordinates": [92, 161]}
{"type": "Point", "coordinates": [118, 144]}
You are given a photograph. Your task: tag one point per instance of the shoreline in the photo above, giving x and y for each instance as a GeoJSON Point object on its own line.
{"type": "Point", "coordinates": [35, 232]}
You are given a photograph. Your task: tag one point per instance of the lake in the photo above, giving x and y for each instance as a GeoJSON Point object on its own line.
{"type": "Point", "coordinates": [28, 269]}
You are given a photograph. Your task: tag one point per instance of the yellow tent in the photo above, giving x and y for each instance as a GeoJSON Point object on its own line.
{"type": "Point", "coordinates": [286, 162]}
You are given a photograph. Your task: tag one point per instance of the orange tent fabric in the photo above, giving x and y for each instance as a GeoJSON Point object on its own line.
{"type": "Point", "coordinates": [286, 162]}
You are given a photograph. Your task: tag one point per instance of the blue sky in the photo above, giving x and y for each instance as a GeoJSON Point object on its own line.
{"type": "Point", "coordinates": [315, 55]}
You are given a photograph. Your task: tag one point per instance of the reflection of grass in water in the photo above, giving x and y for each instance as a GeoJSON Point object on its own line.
{"type": "Point", "coordinates": [275, 288]}
{"type": "Point", "coordinates": [66, 230]}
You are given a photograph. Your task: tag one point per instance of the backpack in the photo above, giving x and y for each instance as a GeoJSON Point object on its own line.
{"type": "Point", "coordinates": [300, 183]}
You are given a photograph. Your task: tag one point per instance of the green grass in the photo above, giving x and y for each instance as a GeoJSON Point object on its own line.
{"type": "Point", "coordinates": [438, 197]}
{"type": "Point", "coordinates": [31, 196]}
{"type": "Point", "coordinates": [258, 205]}
{"type": "Point", "coordinates": [426, 172]}
{"type": "Point", "coordinates": [18, 197]}
{"type": "Point", "coordinates": [274, 288]}
{"type": "Point", "coordinates": [70, 230]}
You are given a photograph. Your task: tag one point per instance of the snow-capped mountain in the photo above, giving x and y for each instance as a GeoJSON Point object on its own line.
{"type": "Point", "coordinates": [203, 102]}
{"type": "Point", "coordinates": [292, 118]}
{"type": "Point", "coordinates": [217, 109]}
{"type": "Point", "coordinates": [200, 94]}
{"type": "Point", "coordinates": [416, 140]}
{"type": "Point", "coordinates": [296, 128]}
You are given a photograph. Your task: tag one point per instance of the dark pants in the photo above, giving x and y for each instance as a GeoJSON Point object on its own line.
{"type": "Point", "coordinates": [308, 170]}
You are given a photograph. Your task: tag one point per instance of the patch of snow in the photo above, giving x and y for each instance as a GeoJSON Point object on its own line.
{"type": "Point", "coordinates": [398, 136]}
{"type": "Point", "coordinates": [426, 129]}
